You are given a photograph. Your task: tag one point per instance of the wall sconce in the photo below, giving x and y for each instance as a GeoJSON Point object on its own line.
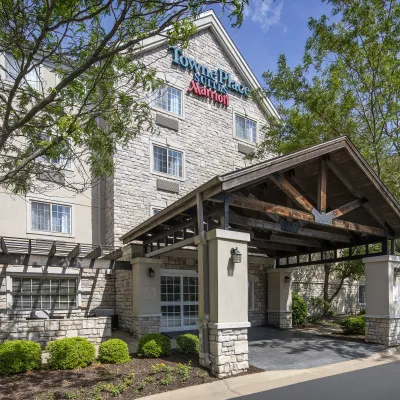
{"type": "Point", "coordinates": [236, 256]}
{"type": "Point", "coordinates": [151, 273]}
{"type": "Point", "coordinates": [287, 279]}
{"type": "Point", "coordinates": [397, 272]}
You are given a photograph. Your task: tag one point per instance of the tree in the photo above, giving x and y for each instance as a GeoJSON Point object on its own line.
{"type": "Point", "coordinates": [347, 84]}
{"type": "Point", "coordinates": [73, 86]}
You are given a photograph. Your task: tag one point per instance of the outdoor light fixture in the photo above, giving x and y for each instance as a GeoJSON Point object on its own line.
{"type": "Point", "coordinates": [151, 273]}
{"type": "Point", "coordinates": [397, 272]}
{"type": "Point", "coordinates": [236, 255]}
{"type": "Point", "coordinates": [287, 279]}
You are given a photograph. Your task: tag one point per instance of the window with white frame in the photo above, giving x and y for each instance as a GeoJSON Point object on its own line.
{"type": "Point", "coordinates": [13, 68]}
{"type": "Point", "coordinates": [169, 99]}
{"type": "Point", "coordinates": [61, 160]}
{"type": "Point", "coordinates": [167, 161]}
{"type": "Point", "coordinates": [37, 293]}
{"type": "Point", "coordinates": [245, 129]}
{"type": "Point", "coordinates": [51, 217]}
{"type": "Point", "coordinates": [361, 294]}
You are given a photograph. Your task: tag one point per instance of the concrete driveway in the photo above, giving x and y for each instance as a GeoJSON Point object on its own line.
{"type": "Point", "coordinates": [274, 349]}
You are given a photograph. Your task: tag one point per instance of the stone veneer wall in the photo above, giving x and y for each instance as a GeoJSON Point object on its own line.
{"type": "Point", "coordinates": [96, 329]}
{"type": "Point", "coordinates": [383, 331]}
{"type": "Point", "coordinates": [143, 325]}
{"type": "Point", "coordinates": [281, 320]}
{"type": "Point", "coordinates": [123, 298]}
{"type": "Point", "coordinates": [258, 314]}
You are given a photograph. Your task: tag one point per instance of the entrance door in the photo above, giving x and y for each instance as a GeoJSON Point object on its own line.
{"type": "Point", "coordinates": [179, 300]}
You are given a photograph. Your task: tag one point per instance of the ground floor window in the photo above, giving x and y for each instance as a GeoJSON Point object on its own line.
{"type": "Point", "coordinates": [361, 294]}
{"type": "Point", "coordinates": [43, 293]}
{"type": "Point", "coordinates": [179, 301]}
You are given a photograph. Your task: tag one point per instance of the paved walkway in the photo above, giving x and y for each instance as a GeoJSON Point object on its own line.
{"type": "Point", "coordinates": [274, 349]}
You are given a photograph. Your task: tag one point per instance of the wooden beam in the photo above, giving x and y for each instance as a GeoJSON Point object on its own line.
{"type": "Point", "coordinates": [166, 249]}
{"type": "Point", "coordinates": [291, 191]}
{"type": "Point", "coordinates": [53, 249]}
{"type": "Point", "coordinates": [322, 185]}
{"type": "Point", "coordinates": [295, 241]}
{"type": "Point", "coordinates": [95, 253]}
{"type": "Point", "coordinates": [75, 251]}
{"type": "Point", "coordinates": [3, 245]}
{"type": "Point", "coordinates": [275, 227]}
{"type": "Point", "coordinates": [338, 212]}
{"type": "Point", "coordinates": [273, 246]}
{"type": "Point", "coordinates": [274, 217]}
{"type": "Point", "coordinates": [291, 177]}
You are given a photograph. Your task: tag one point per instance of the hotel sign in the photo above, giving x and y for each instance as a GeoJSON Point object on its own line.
{"type": "Point", "coordinates": [206, 82]}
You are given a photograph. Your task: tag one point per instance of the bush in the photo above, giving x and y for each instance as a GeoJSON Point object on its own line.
{"type": "Point", "coordinates": [299, 308]}
{"type": "Point", "coordinates": [70, 353]}
{"type": "Point", "coordinates": [353, 325]}
{"type": "Point", "coordinates": [319, 308]}
{"type": "Point", "coordinates": [19, 356]}
{"type": "Point", "coordinates": [114, 351]}
{"type": "Point", "coordinates": [189, 344]}
{"type": "Point", "coordinates": [154, 345]}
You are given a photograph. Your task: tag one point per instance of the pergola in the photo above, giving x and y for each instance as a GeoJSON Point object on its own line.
{"type": "Point", "coordinates": [319, 205]}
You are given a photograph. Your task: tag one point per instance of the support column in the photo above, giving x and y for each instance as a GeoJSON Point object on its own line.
{"type": "Point", "coordinates": [382, 300]}
{"type": "Point", "coordinates": [146, 299]}
{"type": "Point", "coordinates": [228, 291]}
{"type": "Point", "coordinates": [280, 297]}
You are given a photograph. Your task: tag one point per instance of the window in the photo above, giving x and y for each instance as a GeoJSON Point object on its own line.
{"type": "Point", "coordinates": [361, 294]}
{"type": "Point", "coordinates": [169, 99]}
{"type": "Point", "coordinates": [51, 217]}
{"type": "Point", "coordinates": [251, 294]}
{"type": "Point", "coordinates": [246, 129]}
{"type": "Point", "coordinates": [13, 69]}
{"type": "Point", "coordinates": [168, 161]}
{"type": "Point", "coordinates": [44, 293]}
{"type": "Point", "coordinates": [61, 160]}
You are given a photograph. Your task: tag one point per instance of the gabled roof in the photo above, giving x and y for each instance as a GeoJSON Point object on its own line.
{"type": "Point", "coordinates": [352, 187]}
{"type": "Point", "coordinates": [208, 20]}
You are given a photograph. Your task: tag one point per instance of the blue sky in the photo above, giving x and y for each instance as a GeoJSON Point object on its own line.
{"type": "Point", "coordinates": [274, 27]}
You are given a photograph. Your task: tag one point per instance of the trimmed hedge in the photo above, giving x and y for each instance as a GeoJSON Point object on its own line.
{"type": "Point", "coordinates": [188, 344]}
{"type": "Point", "coordinates": [299, 309]}
{"type": "Point", "coordinates": [114, 351]}
{"type": "Point", "coordinates": [154, 345]}
{"type": "Point", "coordinates": [353, 325]}
{"type": "Point", "coordinates": [70, 353]}
{"type": "Point", "coordinates": [19, 356]}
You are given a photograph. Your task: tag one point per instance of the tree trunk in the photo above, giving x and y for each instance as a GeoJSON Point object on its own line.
{"type": "Point", "coordinates": [327, 270]}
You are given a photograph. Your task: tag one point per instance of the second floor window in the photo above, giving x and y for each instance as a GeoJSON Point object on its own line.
{"type": "Point", "coordinates": [169, 99]}
{"type": "Point", "coordinates": [361, 294]}
{"type": "Point", "coordinates": [13, 68]}
{"type": "Point", "coordinates": [246, 129]}
{"type": "Point", "coordinates": [51, 217]}
{"type": "Point", "coordinates": [168, 161]}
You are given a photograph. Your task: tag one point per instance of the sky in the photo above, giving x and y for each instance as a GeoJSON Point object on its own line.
{"type": "Point", "coordinates": [271, 28]}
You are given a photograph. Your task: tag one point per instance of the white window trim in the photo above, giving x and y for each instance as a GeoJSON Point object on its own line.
{"type": "Point", "coordinates": [248, 116]}
{"type": "Point", "coordinates": [171, 147]}
{"type": "Point", "coordinates": [48, 200]}
{"type": "Point", "coordinates": [166, 112]}
{"type": "Point", "coordinates": [42, 272]}
{"type": "Point", "coordinates": [252, 279]}
{"type": "Point", "coordinates": [358, 293]}
{"type": "Point", "coordinates": [10, 82]}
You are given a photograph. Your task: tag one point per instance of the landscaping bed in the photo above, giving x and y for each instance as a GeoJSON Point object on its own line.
{"type": "Point", "coordinates": [136, 378]}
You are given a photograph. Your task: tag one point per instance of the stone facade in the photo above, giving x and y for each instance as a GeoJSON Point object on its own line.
{"type": "Point", "coordinates": [143, 325]}
{"type": "Point", "coordinates": [382, 330]}
{"type": "Point", "coordinates": [229, 352]}
{"type": "Point", "coordinates": [96, 329]}
{"type": "Point", "coordinates": [258, 275]}
{"type": "Point", "coordinates": [280, 319]}
{"type": "Point", "coordinates": [123, 299]}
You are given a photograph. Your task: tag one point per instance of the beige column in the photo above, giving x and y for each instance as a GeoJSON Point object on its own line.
{"type": "Point", "coordinates": [280, 297]}
{"type": "Point", "coordinates": [228, 291]}
{"type": "Point", "coordinates": [382, 300]}
{"type": "Point", "coordinates": [146, 298]}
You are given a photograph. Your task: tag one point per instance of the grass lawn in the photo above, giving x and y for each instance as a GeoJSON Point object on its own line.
{"type": "Point", "coordinates": [137, 378]}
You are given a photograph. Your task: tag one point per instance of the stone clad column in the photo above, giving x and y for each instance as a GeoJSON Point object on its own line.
{"type": "Point", "coordinates": [146, 298]}
{"type": "Point", "coordinates": [382, 300]}
{"type": "Point", "coordinates": [228, 320]}
{"type": "Point", "coordinates": [280, 297]}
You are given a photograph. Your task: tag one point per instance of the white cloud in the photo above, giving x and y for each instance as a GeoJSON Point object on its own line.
{"type": "Point", "coordinates": [266, 13]}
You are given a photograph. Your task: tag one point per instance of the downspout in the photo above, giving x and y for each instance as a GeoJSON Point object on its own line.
{"type": "Point", "coordinates": [206, 279]}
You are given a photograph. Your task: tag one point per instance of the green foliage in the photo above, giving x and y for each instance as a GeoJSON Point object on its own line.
{"type": "Point", "coordinates": [184, 370]}
{"type": "Point", "coordinates": [353, 325]}
{"type": "Point", "coordinates": [188, 343]}
{"type": "Point", "coordinates": [299, 309]}
{"type": "Point", "coordinates": [318, 309]}
{"type": "Point", "coordinates": [70, 353]}
{"type": "Point", "coordinates": [114, 351]}
{"type": "Point", "coordinates": [19, 356]}
{"type": "Point", "coordinates": [154, 345]}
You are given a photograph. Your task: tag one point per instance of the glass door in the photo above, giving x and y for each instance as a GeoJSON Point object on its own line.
{"type": "Point", "coordinates": [179, 301]}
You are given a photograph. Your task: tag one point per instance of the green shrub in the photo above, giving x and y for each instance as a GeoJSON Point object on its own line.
{"type": "Point", "coordinates": [154, 345]}
{"type": "Point", "coordinates": [114, 351]}
{"type": "Point", "coordinates": [353, 325]}
{"type": "Point", "coordinates": [299, 308]}
{"type": "Point", "coordinates": [19, 356]}
{"type": "Point", "coordinates": [189, 344]}
{"type": "Point", "coordinates": [70, 353]}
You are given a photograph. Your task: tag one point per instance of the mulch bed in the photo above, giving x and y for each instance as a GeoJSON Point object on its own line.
{"type": "Point", "coordinates": [84, 384]}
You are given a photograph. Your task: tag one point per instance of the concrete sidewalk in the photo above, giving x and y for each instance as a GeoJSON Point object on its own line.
{"type": "Point", "coordinates": [249, 384]}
